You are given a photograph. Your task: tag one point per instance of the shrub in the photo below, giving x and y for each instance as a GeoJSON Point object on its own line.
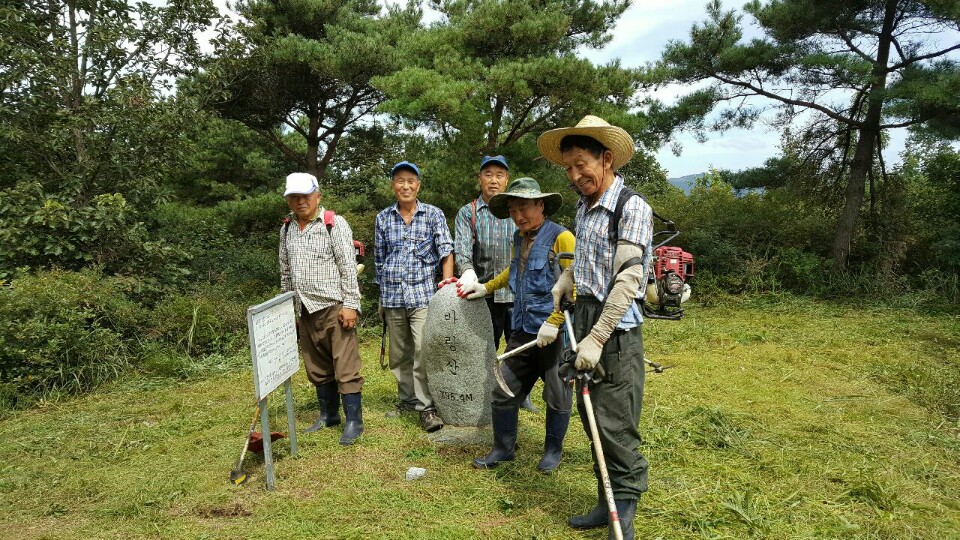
{"type": "Point", "coordinates": [63, 330]}
{"type": "Point", "coordinates": [204, 322]}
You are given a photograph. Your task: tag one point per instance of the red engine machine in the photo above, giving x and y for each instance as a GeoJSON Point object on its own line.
{"type": "Point", "coordinates": [668, 284]}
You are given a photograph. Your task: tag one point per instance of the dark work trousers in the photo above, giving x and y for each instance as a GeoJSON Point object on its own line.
{"type": "Point", "coordinates": [521, 371]}
{"type": "Point", "coordinates": [617, 400]}
{"type": "Point", "coordinates": [500, 315]}
{"type": "Point", "coordinates": [330, 352]}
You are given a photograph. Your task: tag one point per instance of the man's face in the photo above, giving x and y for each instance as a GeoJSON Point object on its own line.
{"type": "Point", "coordinates": [304, 206]}
{"type": "Point", "coordinates": [586, 172]}
{"type": "Point", "coordinates": [493, 180]}
{"type": "Point", "coordinates": [406, 185]}
{"type": "Point", "coordinates": [526, 213]}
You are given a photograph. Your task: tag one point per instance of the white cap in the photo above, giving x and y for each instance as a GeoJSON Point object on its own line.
{"type": "Point", "coordinates": [300, 183]}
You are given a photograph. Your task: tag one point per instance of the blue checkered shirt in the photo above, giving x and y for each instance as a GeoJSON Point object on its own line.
{"type": "Point", "coordinates": [593, 258]}
{"type": "Point", "coordinates": [495, 239]}
{"type": "Point", "coordinates": [406, 256]}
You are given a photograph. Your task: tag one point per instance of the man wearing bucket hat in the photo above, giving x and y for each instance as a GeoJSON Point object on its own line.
{"type": "Point", "coordinates": [317, 262]}
{"type": "Point", "coordinates": [531, 276]}
{"type": "Point", "coordinates": [610, 275]}
{"type": "Point", "coordinates": [411, 240]}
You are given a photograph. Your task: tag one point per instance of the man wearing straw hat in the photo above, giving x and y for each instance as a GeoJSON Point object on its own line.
{"type": "Point", "coordinates": [610, 275]}
{"type": "Point", "coordinates": [531, 275]}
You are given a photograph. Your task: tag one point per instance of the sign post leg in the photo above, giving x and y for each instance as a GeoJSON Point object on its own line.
{"type": "Point", "coordinates": [267, 450]}
{"type": "Point", "coordinates": [291, 423]}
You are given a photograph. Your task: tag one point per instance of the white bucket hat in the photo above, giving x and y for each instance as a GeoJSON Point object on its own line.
{"type": "Point", "coordinates": [616, 139]}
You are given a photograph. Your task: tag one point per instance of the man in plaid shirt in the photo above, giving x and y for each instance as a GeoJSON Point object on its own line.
{"type": "Point", "coordinates": [411, 239]}
{"type": "Point", "coordinates": [317, 262]}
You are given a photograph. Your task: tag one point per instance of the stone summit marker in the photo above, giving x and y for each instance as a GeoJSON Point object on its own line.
{"type": "Point", "coordinates": [458, 355]}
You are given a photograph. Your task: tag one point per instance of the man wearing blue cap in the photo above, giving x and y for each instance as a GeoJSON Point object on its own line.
{"type": "Point", "coordinates": [411, 239]}
{"type": "Point", "coordinates": [483, 242]}
{"type": "Point", "coordinates": [483, 246]}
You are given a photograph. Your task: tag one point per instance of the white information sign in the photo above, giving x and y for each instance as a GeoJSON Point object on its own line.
{"type": "Point", "coordinates": [273, 343]}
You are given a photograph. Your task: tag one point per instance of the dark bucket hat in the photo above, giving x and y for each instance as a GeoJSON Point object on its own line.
{"type": "Point", "coordinates": [524, 188]}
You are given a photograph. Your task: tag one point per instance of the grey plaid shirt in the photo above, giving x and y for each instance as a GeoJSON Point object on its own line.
{"type": "Point", "coordinates": [495, 245]}
{"type": "Point", "coordinates": [319, 265]}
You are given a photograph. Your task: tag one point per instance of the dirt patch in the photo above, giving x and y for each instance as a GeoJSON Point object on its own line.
{"type": "Point", "coordinates": [237, 510]}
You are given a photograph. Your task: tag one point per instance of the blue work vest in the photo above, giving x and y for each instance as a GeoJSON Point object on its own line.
{"type": "Point", "coordinates": [533, 302]}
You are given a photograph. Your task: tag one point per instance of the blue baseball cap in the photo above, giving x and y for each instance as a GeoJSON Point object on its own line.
{"type": "Point", "coordinates": [494, 160]}
{"type": "Point", "coordinates": [405, 165]}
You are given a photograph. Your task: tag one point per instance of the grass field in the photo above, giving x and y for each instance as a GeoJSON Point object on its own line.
{"type": "Point", "coordinates": [782, 418]}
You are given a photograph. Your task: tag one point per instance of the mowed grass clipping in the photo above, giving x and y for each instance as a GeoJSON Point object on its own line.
{"type": "Point", "coordinates": [780, 418]}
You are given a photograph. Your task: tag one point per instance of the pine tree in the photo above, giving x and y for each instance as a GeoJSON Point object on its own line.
{"type": "Point", "coordinates": [864, 65]}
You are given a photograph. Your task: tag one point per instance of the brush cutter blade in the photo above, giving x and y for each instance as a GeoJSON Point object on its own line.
{"type": "Point", "coordinates": [238, 477]}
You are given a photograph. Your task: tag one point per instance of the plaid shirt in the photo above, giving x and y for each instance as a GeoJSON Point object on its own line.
{"type": "Point", "coordinates": [495, 242]}
{"type": "Point", "coordinates": [319, 265]}
{"type": "Point", "coordinates": [406, 256]}
{"type": "Point", "coordinates": [593, 260]}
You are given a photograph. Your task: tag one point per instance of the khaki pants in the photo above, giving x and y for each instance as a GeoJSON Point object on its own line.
{"type": "Point", "coordinates": [330, 352]}
{"type": "Point", "coordinates": [405, 327]}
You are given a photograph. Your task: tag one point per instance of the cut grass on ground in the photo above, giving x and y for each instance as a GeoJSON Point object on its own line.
{"type": "Point", "coordinates": [782, 418]}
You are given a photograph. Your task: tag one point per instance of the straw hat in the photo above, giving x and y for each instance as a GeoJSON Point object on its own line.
{"type": "Point", "coordinates": [616, 139]}
{"type": "Point", "coordinates": [523, 188]}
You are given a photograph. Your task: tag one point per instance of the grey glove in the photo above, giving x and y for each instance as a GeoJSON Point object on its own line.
{"type": "Point", "coordinates": [563, 289]}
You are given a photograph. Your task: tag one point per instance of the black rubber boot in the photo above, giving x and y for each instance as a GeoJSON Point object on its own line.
{"type": "Point", "coordinates": [626, 511]}
{"type": "Point", "coordinates": [528, 405]}
{"type": "Point", "coordinates": [557, 423]}
{"type": "Point", "coordinates": [596, 518]}
{"type": "Point", "coordinates": [354, 414]}
{"type": "Point", "coordinates": [329, 400]}
{"type": "Point", "coordinates": [504, 438]}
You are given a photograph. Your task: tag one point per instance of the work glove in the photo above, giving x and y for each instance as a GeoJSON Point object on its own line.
{"type": "Point", "coordinates": [477, 290]}
{"type": "Point", "coordinates": [467, 279]}
{"type": "Point", "coordinates": [588, 353]}
{"type": "Point", "coordinates": [547, 334]}
{"type": "Point", "coordinates": [446, 282]}
{"type": "Point", "coordinates": [563, 289]}
{"type": "Point", "coordinates": [380, 312]}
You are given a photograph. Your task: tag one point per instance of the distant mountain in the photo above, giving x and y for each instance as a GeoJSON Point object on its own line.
{"type": "Point", "coordinates": [685, 183]}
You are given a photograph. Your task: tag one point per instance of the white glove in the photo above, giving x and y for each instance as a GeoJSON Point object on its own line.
{"type": "Point", "coordinates": [468, 278]}
{"type": "Point", "coordinates": [477, 290]}
{"type": "Point", "coordinates": [563, 288]}
{"type": "Point", "coordinates": [547, 334]}
{"type": "Point", "coordinates": [588, 353]}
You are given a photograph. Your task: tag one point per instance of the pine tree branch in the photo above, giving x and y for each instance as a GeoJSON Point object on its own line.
{"type": "Point", "coordinates": [797, 102]}
{"type": "Point", "coordinates": [853, 47]}
{"type": "Point", "coordinates": [922, 57]}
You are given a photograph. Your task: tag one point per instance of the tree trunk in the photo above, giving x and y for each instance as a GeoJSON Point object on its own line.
{"type": "Point", "coordinates": [866, 137]}
{"type": "Point", "coordinates": [313, 142]}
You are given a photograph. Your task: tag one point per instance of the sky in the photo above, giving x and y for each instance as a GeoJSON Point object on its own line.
{"type": "Point", "coordinates": [639, 38]}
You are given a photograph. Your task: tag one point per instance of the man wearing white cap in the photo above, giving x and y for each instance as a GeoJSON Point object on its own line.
{"type": "Point", "coordinates": [317, 262]}
{"type": "Point", "coordinates": [610, 263]}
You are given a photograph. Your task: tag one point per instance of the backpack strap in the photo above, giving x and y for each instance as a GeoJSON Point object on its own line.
{"type": "Point", "coordinates": [613, 234]}
{"type": "Point", "coordinates": [473, 219]}
{"type": "Point", "coordinates": [329, 217]}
